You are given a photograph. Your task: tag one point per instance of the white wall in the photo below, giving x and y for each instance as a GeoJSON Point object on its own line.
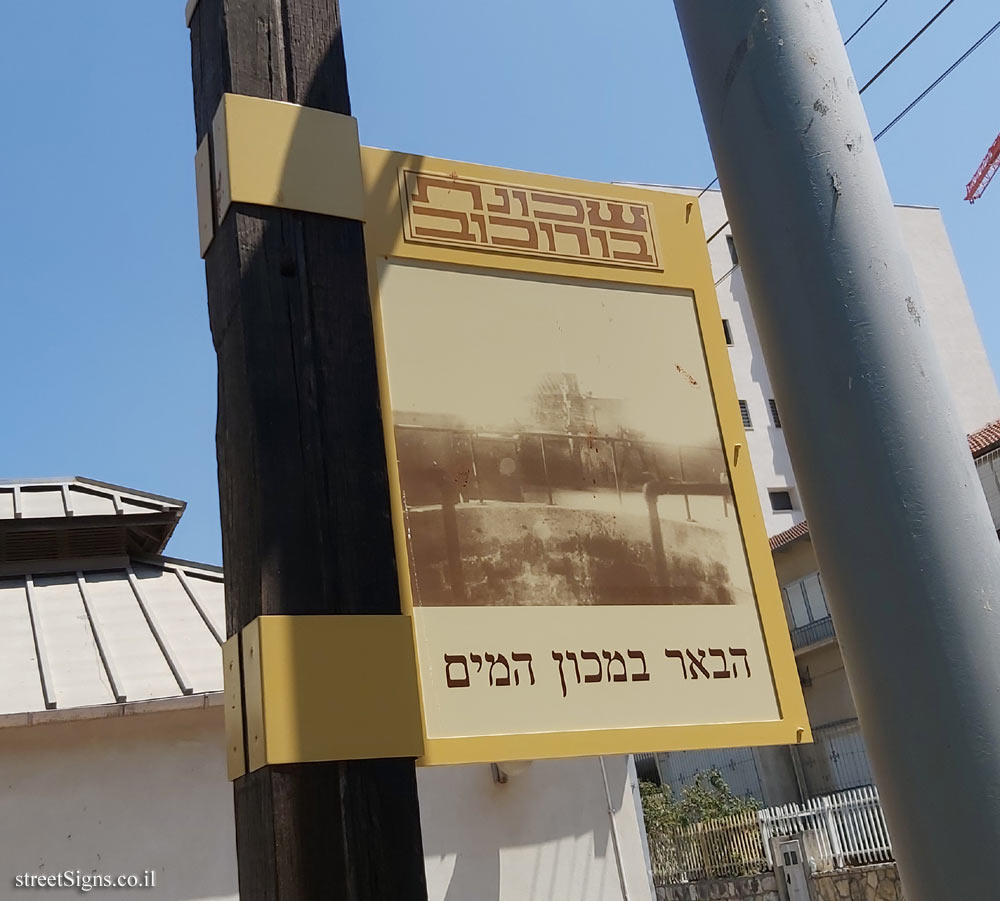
{"type": "Point", "coordinates": [765, 442]}
{"type": "Point", "coordinates": [149, 791]}
{"type": "Point", "coordinates": [543, 836]}
{"type": "Point", "coordinates": [118, 796]}
{"type": "Point", "coordinates": [972, 382]}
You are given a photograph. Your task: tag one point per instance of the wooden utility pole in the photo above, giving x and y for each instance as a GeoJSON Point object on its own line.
{"type": "Point", "coordinates": [302, 470]}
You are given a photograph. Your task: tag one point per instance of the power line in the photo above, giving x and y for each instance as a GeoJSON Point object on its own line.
{"type": "Point", "coordinates": [941, 78]}
{"type": "Point", "coordinates": [905, 47]}
{"type": "Point", "coordinates": [709, 185]}
{"type": "Point", "coordinates": [857, 30]}
{"type": "Point", "coordinates": [729, 273]}
{"type": "Point", "coordinates": [715, 234]}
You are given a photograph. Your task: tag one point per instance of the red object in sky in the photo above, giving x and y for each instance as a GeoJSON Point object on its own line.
{"type": "Point", "coordinates": [987, 169]}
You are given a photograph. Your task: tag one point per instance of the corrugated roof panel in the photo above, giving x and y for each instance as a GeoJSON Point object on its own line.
{"type": "Point", "coordinates": [43, 501]}
{"type": "Point", "coordinates": [77, 671]}
{"type": "Point", "coordinates": [143, 669]}
{"type": "Point", "coordinates": [212, 597]}
{"type": "Point", "coordinates": [22, 686]}
{"type": "Point", "coordinates": [185, 631]}
{"type": "Point", "coordinates": [90, 503]}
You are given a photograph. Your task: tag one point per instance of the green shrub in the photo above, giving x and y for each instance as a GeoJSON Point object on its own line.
{"type": "Point", "coordinates": [707, 798]}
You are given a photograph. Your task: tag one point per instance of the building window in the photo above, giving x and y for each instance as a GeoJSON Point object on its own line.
{"type": "Point", "coordinates": [781, 501]}
{"type": "Point", "coordinates": [728, 332]}
{"type": "Point", "coordinates": [774, 413]}
{"type": "Point", "coordinates": [732, 250]}
{"type": "Point", "coordinates": [745, 415]}
{"type": "Point", "coordinates": [806, 601]}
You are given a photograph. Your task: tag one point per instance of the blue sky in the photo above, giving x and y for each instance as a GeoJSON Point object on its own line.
{"type": "Point", "coordinates": [107, 365]}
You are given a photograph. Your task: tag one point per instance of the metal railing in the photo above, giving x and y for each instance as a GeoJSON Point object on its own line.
{"type": "Point", "coordinates": [813, 633]}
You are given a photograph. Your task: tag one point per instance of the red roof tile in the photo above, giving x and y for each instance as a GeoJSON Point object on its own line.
{"type": "Point", "coordinates": [789, 535]}
{"type": "Point", "coordinates": [985, 440]}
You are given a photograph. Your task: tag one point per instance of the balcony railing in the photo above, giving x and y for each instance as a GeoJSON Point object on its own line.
{"type": "Point", "coordinates": [813, 633]}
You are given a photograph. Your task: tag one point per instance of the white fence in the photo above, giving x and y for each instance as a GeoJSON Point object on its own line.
{"type": "Point", "coordinates": [848, 828]}
{"type": "Point", "coordinates": [842, 830]}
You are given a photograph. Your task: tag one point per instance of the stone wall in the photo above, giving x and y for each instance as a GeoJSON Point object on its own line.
{"type": "Point", "coordinates": [743, 888]}
{"type": "Point", "coordinates": [878, 882]}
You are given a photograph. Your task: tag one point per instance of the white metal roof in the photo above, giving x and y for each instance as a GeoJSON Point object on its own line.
{"type": "Point", "coordinates": [93, 621]}
{"type": "Point", "coordinates": [149, 628]}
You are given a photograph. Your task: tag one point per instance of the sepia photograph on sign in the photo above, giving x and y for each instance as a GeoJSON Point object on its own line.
{"type": "Point", "coordinates": [557, 443]}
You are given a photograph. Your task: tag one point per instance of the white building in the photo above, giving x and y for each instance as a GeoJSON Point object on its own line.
{"type": "Point", "coordinates": [837, 760]}
{"type": "Point", "coordinates": [112, 748]}
{"type": "Point", "coordinates": [951, 321]}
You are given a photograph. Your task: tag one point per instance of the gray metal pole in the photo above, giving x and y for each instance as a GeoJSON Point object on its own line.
{"type": "Point", "coordinates": [899, 523]}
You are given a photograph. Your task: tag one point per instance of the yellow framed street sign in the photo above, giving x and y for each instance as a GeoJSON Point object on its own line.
{"type": "Point", "coordinates": [580, 544]}
{"type": "Point", "coordinates": [581, 551]}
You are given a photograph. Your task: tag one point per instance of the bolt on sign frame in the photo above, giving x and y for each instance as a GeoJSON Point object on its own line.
{"type": "Point", "coordinates": [582, 557]}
